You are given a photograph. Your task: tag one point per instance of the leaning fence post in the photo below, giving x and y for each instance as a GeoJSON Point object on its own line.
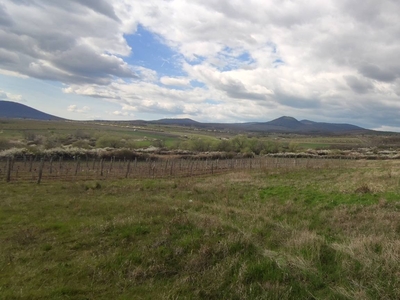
{"type": "Point", "coordinates": [40, 171]}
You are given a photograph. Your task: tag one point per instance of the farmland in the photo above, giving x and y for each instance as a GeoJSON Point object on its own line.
{"type": "Point", "coordinates": [195, 226]}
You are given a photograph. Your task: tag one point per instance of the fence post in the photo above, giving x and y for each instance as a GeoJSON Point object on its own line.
{"type": "Point", "coordinates": [78, 162]}
{"type": "Point", "coordinates": [172, 166]}
{"type": "Point", "coordinates": [166, 166]}
{"type": "Point", "coordinates": [111, 164]}
{"type": "Point", "coordinates": [40, 171]}
{"type": "Point", "coordinates": [30, 163]}
{"type": "Point", "coordinates": [8, 178]}
{"type": "Point", "coordinates": [60, 164]}
{"type": "Point", "coordinates": [51, 165]}
{"type": "Point", "coordinates": [128, 169]}
{"type": "Point", "coordinates": [101, 166]}
{"type": "Point", "coordinates": [153, 169]}
{"type": "Point", "coordinates": [191, 168]}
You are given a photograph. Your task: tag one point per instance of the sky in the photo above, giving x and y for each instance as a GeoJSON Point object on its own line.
{"type": "Point", "coordinates": [213, 61]}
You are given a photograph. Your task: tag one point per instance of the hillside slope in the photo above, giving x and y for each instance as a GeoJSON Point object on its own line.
{"type": "Point", "coordinates": [15, 110]}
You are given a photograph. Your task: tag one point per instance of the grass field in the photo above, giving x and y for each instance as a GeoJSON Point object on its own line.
{"type": "Point", "coordinates": [330, 233]}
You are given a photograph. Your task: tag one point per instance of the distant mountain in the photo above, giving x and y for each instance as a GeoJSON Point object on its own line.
{"type": "Point", "coordinates": [283, 124]}
{"type": "Point", "coordinates": [286, 122]}
{"type": "Point", "coordinates": [15, 110]}
{"type": "Point", "coordinates": [291, 125]}
{"type": "Point", "coordinates": [182, 122]}
{"type": "Point", "coordinates": [321, 126]}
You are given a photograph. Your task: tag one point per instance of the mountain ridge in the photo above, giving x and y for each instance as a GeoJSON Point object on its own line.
{"type": "Point", "coordinates": [284, 124]}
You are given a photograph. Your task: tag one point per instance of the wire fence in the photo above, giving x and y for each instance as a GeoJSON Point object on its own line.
{"type": "Point", "coordinates": [40, 169]}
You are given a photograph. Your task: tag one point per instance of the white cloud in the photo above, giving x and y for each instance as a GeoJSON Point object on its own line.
{"type": "Point", "coordinates": [11, 97]}
{"type": "Point", "coordinates": [71, 42]}
{"type": "Point", "coordinates": [175, 81]}
{"type": "Point", "coordinates": [74, 108]}
{"type": "Point", "coordinates": [120, 113]}
{"type": "Point", "coordinates": [331, 60]}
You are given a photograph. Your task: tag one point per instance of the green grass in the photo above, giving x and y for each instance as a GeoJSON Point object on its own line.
{"type": "Point", "coordinates": [312, 145]}
{"type": "Point", "coordinates": [16, 129]}
{"type": "Point", "coordinates": [301, 234]}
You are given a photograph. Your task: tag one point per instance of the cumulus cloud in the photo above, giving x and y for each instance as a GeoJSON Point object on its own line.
{"type": "Point", "coordinates": [70, 42]}
{"type": "Point", "coordinates": [11, 97]}
{"type": "Point", "coordinates": [120, 113]}
{"type": "Point", "coordinates": [175, 81]}
{"type": "Point", "coordinates": [331, 60]}
{"type": "Point", "coordinates": [74, 108]}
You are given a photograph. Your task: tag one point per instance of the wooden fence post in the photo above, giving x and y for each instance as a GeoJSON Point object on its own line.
{"type": "Point", "coordinates": [172, 166]}
{"type": "Point", "coordinates": [8, 178]}
{"type": "Point", "coordinates": [60, 164]}
{"type": "Point", "coordinates": [101, 166]}
{"type": "Point", "coordinates": [51, 165]}
{"type": "Point", "coordinates": [30, 163]}
{"type": "Point", "coordinates": [166, 166]}
{"type": "Point", "coordinates": [153, 169]}
{"type": "Point", "coordinates": [128, 169]}
{"type": "Point", "coordinates": [40, 171]}
{"type": "Point", "coordinates": [78, 163]}
{"type": "Point", "coordinates": [111, 164]}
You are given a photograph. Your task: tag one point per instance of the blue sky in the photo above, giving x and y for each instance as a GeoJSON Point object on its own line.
{"type": "Point", "coordinates": [212, 61]}
{"type": "Point", "coordinates": [150, 51]}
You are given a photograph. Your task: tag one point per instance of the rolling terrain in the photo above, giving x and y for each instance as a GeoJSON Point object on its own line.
{"type": "Point", "coordinates": [283, 124]}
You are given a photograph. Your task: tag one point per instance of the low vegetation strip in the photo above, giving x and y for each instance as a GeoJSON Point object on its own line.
{"type": "Point", "coordinates": [274, 233]}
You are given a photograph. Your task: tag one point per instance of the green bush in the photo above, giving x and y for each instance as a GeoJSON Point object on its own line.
{"type": "Point", "coordinates": [85, 144]}
{"type": "Point", "coordinates": [108, 141]}
{"type": "Point", "coordinates": [4, 144]}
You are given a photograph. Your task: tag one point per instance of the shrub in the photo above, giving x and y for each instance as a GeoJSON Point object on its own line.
{"type": "Point", "coordinates": [108, 141]}
{"type": "Point", "coordinates": [4, 144]}
{"type": "Point", "coordinates": [85, 144]}
{"type": "Point", "coordinates": [200, 145]}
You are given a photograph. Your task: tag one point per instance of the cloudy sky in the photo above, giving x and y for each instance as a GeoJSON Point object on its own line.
{"type": "Point", "coordinates": [220, 61]}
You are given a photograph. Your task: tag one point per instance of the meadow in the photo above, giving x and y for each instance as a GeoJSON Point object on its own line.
{"type": "Point", "coordinates": [328, 230]}
{"type": "Point", "coordinates": [37, 136]}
